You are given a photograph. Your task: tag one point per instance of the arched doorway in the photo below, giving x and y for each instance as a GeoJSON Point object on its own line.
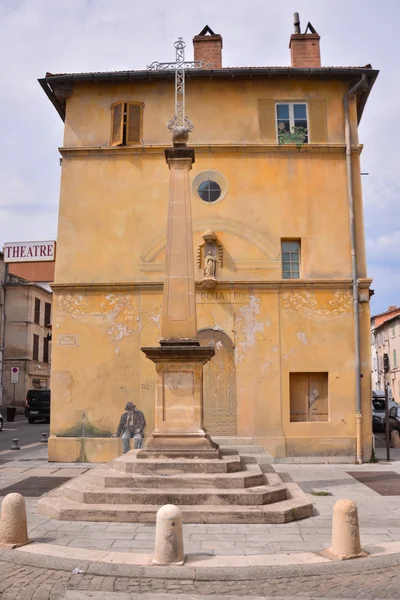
{"type": "Point", "coordinates": [219, 384]}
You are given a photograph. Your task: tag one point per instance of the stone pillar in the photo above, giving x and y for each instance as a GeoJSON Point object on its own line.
{"type": "Point", "coordinates": [345, 531]}
{"type": "Point", "coordinates": [179, 359]}
{"type": "Point", "coordinates": [13, 525]}
{"type": "Point", "coordinates": [169, 537]}
{"type": "Point", "coordinates": [179, 300]}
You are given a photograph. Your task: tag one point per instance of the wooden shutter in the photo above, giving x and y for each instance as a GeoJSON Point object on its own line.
{"type": "Point", "coordinates": [267, 119]}
{"type": "Point", "coordinates": [317, 126]}
{"type": "Point", "coordinates": [134, 112]}
{"type": "Point", "coordinates": [117, 123]}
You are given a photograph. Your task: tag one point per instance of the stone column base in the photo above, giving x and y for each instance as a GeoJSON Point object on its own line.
{"type": "Point", "coordinates": [180, 446]}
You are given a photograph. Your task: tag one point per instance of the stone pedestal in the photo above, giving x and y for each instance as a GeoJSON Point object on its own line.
{"type": "Point", "coordinates": [179, 428]}
{"type": "Point", "coordinates": [179, 359]}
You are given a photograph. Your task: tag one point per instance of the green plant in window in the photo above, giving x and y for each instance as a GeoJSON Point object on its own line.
{"type": "Point", "coordinates": [296, 135]}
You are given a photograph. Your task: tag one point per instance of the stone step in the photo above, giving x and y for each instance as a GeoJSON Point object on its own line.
{"type": "Point", "coordinates": [83, 491]}
{"type": "Point", "coordinates": [56, 506]}
{"type": "Point", "coordinates": [244, 449]}
{"type": "Point", "coordinates": [229, 462]}
{"type": "Point", "coordinates": [234, 442]}
{"type": "Point", "coordinates": [110, 478]}
{"type": "Point", "coordinates": [260, 459]}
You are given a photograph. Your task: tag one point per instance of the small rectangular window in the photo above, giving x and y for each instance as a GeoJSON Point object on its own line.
{"type": "Point", "coordinates": [394, 331]}
{"type": "Point", "coordinates": [126, 123]}
{"type": "Point", "coordinates": [45, 349]}
{"type": "Point", "coordinates": [36, 384]}
{"type": "Point", "coordinates": [47, 314]}
{"type": "Point", "coordinates": [35, 347]}
{"type": "Point", "coordinates": [290, 259]}
{"type": "Point", "coordinates": [308, 397]}
{"type": "Point", "coordinates": [292, 123]}
{"type": "Point", "coordinates": [394, 359]}
{"type": "Point", "coordinates": [36, 316]}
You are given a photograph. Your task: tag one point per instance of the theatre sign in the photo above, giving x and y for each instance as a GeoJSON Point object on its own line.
{"type": "Point", "coordinates": [29, 251]}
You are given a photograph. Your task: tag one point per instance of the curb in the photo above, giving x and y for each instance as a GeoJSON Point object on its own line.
{"type": "Point", "coordinates": [211, 573]}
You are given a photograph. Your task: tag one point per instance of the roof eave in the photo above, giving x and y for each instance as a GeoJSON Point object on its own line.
{"type": "Point", "coordinates": [350, 73]}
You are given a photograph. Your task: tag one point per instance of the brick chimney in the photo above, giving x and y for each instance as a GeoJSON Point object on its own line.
{"type": "Point", "coordinates": [304, 47]}
{"type": "Point", "coordinates": [207, 47]}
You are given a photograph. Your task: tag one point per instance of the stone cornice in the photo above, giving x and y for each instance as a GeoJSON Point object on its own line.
{"type": "Point", "coordinates": [156, 286]}
{"type": "Point", "coordinates": [207, 148]}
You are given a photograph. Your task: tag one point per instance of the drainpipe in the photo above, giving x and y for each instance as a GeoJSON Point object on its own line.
{"type": "Point", "coordinates": [362, 84]}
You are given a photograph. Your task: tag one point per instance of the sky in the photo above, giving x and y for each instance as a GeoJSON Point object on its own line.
{"type": "Point", "coordinates": [63, 36]}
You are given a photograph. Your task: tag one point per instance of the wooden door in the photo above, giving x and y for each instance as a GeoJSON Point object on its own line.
{"type": "Point", "coordinates": [219, 384]}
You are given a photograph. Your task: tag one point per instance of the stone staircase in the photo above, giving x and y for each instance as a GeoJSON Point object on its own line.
{"type": "Point", "coordinates": [233, 489]}
{"type": "Point", "coordinates": [246, 448]}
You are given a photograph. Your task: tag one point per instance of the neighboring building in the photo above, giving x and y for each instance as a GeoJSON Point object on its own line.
{"type": "Point", "coordinates": [271, 203]}
{"type": "Point", "coordinates": [26, 316]}
{"type": "Point", "coordinates": [2, 319]}
{"type": "Point", "coordinates": [385, 329]}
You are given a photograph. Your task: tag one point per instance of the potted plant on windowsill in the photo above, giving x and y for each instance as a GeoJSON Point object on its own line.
{"type": "Point", "coordinates": [296, 136]}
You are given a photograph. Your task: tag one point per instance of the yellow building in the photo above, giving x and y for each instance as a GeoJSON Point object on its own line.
{"type": "Point", "coordinates": [276, 197]}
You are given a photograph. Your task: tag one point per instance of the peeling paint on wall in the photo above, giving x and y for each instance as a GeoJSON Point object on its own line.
{"type": "Point", "coordinates": [247, 327]}
{"type": "Point", "coordinates": [302, 337]}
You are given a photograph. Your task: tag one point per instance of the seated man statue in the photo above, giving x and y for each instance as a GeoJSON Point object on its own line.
{"type": "Point", "coordinates": [131, 425]}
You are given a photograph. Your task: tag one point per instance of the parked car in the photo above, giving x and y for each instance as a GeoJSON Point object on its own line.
{"type": "Point", "coordinates": [37, 405]}
{"type": "Point", "coordinates": [378, 410]}
{"type": "Point", "coordinates": [394, 418]}
{"type": "Point", "coordinates": [1, 422]}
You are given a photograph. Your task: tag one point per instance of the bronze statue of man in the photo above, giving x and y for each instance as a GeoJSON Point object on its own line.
{"type": "Point", "coordinates": [131, 425]}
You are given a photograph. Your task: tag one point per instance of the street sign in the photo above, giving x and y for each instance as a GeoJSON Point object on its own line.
{"type": "Point", "coordinates": [14, 374]}
{"type": "Point", "coordinates": [29, 251]}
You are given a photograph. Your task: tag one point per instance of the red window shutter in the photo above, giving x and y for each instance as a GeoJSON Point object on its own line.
{"type": "Point", "coordinates": [134, 117]}
{"type": "Point", "coordinates": [117, 123]}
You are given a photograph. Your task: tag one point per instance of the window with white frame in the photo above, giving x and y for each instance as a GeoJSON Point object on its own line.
{"type": "Point", "coordinates": [290, 259]}
{"type": "Point", "coordinates": [291, 122]}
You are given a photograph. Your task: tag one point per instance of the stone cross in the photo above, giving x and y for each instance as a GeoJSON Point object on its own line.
{"type": "Point", "coordinates": [180, 119]}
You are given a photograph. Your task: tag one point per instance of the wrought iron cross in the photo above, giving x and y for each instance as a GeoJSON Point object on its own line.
{"type": "Point", "coordinates": [180, 119]}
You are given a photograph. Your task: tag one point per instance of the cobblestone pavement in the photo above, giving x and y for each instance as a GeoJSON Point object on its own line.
{"type": "Point", "coordinates": [379, 519]}
{"type": "Point", "coordinates": [30, 583]}
{"type": "Point", "coordinates": [379, 516]}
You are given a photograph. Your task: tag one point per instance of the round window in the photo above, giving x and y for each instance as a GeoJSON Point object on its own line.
{"type": "Point", "coordinates": [209, 191]}
{"type": "Point", "coordinates": [210, 186]}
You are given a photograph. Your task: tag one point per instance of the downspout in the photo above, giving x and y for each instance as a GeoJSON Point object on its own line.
{"type": "Point", "coordinates": [362, 84]}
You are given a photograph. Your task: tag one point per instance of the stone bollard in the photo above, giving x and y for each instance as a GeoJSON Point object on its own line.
{"type": "Point", "coordinates": [169, 537]}
{"type": "Point", "coordinates": [14, 445]}
{"type": "Point", "coordinates": [395, 439]}
{"type": "Point", "coordinates": [345, 531]}
{"type": "Point", "coordinates": [13, 526]}
{"type": "Point", "coordinates": [44, 439]}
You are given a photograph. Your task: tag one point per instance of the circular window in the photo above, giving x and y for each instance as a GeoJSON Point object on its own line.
{"type": "Point", "coordinates": [210, 186]}
{"type": "Point", "coordinates": [209, 191]}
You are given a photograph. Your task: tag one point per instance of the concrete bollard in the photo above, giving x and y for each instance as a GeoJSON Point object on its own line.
{"type": "Point", "coordinates": [14, 445]}
{"type": "Point", "coordinates": [395, 439]}
{"type": "Point", "coordinates": [345, 531]}
{"type": "Point", "coordinates": [13, 525]}
{"type": "Point", "coordinates": [169, 537]}
{"type": "Point", "coordinates": [44, 439]}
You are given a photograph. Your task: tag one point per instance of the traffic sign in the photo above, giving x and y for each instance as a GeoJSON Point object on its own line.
{"type": "Point", "coordinates": [14, 374]}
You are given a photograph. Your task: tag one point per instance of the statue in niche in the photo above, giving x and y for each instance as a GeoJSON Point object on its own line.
{"type": "Point", "coordinates": [209, 256]}
{"type": "Point", "coordinates": [210, 265]}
